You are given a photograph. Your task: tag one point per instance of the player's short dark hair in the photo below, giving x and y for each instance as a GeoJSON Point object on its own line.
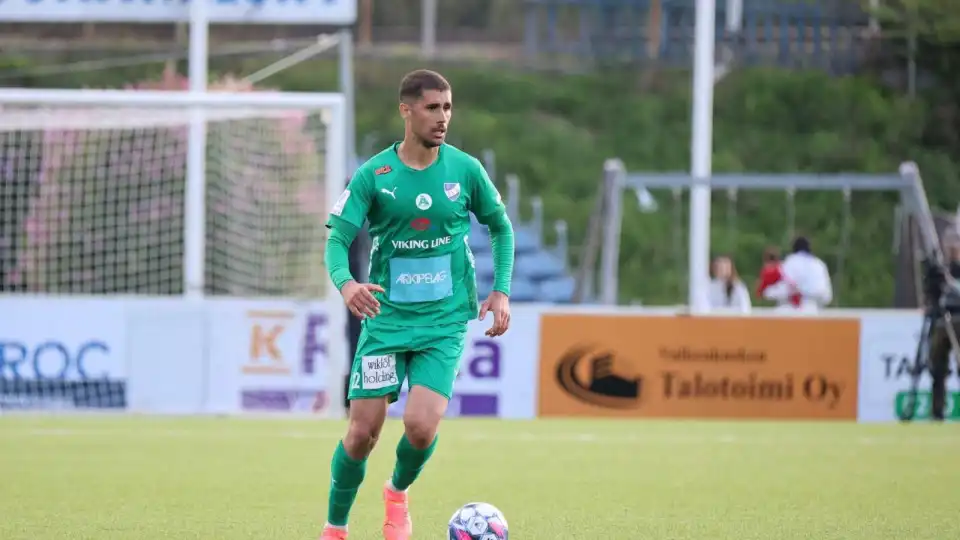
{"type": "Point", "coordinates": [414, 83]}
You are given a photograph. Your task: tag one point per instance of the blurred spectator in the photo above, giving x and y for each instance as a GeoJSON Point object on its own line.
{"type": "Point", "coordinates": [770, 274]}
{"type": "Point", "coordinates": [727, 292]}
{"type": "Point", "coordinates": [804, 274]}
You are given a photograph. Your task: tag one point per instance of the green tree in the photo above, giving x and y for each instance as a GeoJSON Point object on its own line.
{"type": "Point", "coordinates": [935, 21]}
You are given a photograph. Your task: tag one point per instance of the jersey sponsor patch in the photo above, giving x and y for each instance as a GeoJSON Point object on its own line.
{"type": "Point", "coordinates": [383, 170]}
{"type": "Point", "coordinates": [341, 202]}
{"type": "Point", "coordinates": [451, 190]}
{"type": "Point", "coordinates": [420, 245]}
{"type": "Point", "coordinates": [378, 371]}
{"type": "Point", "coordinates": [424, 279]}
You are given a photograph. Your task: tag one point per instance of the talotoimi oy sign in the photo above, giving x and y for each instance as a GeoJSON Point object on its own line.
{"type": "Point", "coordinates": [610, 389]}
{"type": "Point", "coordinates": [685, 367]}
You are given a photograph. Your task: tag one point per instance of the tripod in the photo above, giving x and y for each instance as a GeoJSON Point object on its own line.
{"type": "Point", "coordinates": [919, 206]}
{"type": "Point", "coordinates": [922, 358]}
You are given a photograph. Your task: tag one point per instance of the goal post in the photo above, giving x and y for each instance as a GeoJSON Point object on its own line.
{"type": "Point", "coordinates": [152, 208]}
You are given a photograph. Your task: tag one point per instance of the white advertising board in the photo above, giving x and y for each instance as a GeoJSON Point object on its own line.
{"type": "Point", "coordinates": [498, 376]}
{"type": "Point", "coordinates": [56, 353]}
{"type": "Point", "coordinates": [888, 345]}
{"type": "Point", "coordinates": [268, 356]}
{"type": "Point", "coordinates": [329, 12]}
{"type": "Point", "coordinates": [271, 356]}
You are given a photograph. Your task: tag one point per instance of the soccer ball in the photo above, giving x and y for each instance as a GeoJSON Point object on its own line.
{"type": "Point", "coordinates": [478, 521]}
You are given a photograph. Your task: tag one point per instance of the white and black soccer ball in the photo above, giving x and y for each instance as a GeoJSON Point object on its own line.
{"type": "Point", "coordinates": [478, 521]}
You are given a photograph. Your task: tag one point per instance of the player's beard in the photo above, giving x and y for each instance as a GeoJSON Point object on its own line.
{"type": "Point", "coordinates": [428, 142]}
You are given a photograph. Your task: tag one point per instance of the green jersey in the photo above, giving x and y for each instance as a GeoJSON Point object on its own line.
{"type": "Point", "coordinates": [420, 225]}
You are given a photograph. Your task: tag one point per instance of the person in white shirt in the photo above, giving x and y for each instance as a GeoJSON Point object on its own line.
{"type": "Point", "coordinates": [727, 291]}
{"type": "Point", "coordinates": [803, 274]}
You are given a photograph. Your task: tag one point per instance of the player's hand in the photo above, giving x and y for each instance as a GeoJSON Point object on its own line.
{"type": "Point", "coordinates": [360, 300]}
{"type": "Point", "coordinates": [499, 304]}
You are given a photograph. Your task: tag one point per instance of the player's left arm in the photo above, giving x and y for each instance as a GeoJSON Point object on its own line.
{"type": "Point", "coordinates": [486, 204]}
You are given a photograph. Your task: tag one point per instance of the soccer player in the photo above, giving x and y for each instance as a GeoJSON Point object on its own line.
{"type": "Point", "coordinates": [417, 195]}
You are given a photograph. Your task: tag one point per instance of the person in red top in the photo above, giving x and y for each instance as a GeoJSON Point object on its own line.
{"type": "Point", "coordinates": [770, 274]}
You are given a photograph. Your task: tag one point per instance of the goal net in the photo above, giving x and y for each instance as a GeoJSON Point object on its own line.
{"type": "Point", "coordinates": [95, 199]}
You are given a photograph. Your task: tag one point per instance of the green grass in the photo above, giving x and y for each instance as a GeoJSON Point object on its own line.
{"type": "Point", "coordinates": [143, 478]}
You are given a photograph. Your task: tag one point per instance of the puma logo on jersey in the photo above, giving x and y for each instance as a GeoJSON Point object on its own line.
{"type": "Point", "coordinates": [391, 193]}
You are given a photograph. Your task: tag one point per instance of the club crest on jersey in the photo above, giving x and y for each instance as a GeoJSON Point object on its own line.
{"type": "Point", "coordinates": [424, 201]}
{"type": "Point", "coordinates": [383, 170]}
{"type": "Point", "coordinates": [452, 190]}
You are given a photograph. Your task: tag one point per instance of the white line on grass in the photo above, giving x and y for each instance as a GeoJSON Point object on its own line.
{"type": "Point", "coordinates": [641, 439]}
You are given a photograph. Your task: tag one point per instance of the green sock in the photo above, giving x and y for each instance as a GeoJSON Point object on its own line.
{"type": "Point", "coordinates": [410, 462]}
{"type": "Point", "coordinates": [346, 475]}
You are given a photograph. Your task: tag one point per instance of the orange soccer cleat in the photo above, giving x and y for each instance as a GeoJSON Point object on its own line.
{"type": "Point", "coordinates": [333, 533]}
{"type": "Point", "coordinates": [397, 524]}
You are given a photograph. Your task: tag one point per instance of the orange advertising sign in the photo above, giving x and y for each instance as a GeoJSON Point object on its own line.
{"type": "Point", "coordinates": [699, 367]}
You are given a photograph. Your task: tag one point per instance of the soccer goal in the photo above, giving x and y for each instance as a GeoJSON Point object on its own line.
{"type": "Point", "coordinates": [817, 205]}
{"type": "Point", "coordinates": [163, 193]}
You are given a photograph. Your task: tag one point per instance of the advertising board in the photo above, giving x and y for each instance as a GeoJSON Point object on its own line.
{"type": "Point", "coordinates": [686, 367]}
{"type": "Point", "coordinates": [268, 356]}
{"type": "Point", "coordinates": [498, 376]}
{"type": "Point", "coordinates": [241, 355]}
{"type": "Point", "coordinates": [62, 354]}
{"type": "Point", "coordinates": [888, 346]}
{"type": "Point", "coordinates": [331, 12]}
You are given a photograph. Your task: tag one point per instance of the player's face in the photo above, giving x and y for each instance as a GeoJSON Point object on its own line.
{"type": "Point", "coordinates": [429, 116]}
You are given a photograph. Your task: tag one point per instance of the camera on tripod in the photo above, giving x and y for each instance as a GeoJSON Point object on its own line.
{"type": "Point", "coordinates": [941, 291]}
{"type": "Point", "coordinates": [939, 334]}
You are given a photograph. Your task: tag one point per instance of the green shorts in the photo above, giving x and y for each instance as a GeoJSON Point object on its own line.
{"type": "Point", "coordinates": [427, 356]}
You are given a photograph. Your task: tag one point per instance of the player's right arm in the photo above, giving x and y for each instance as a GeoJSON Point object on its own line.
{"type": "Point", "coordinates": [345, 220]}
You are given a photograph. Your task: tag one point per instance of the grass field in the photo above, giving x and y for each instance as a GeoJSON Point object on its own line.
{"type": "Point", "coordinates": [142, 478]}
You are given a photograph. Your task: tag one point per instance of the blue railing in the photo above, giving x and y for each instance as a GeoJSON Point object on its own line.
{"type": "Point", "coordinates": [791, 33]}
